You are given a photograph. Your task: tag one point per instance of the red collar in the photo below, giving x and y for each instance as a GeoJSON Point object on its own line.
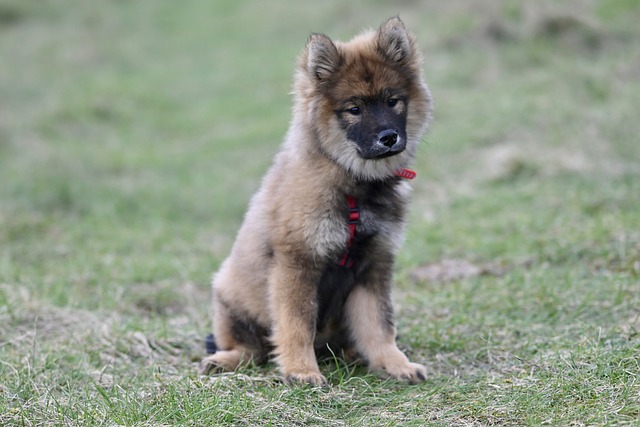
{"type": "Point", "coordinates": [405, 173]}
{"type": "Point", "coordinates": [354, 217]}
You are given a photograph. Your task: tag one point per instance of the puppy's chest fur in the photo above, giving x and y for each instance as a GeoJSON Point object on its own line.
{"type": "Point", "coordinates": [378, 233]}
{"type": "Point", "coordinates": [380, 207]}
{"type": "Point", "coordinates": [377, 217]}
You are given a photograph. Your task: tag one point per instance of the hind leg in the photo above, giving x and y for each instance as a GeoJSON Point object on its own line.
{"type": "Point", "coordinates": [237, 341]}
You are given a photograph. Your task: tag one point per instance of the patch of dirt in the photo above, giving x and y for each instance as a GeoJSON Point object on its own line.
{"type": "Point", "coordinates": [574, 30]}
{"type": "Point", "coordinates": [511, 160]}
{"type": "Point", "coordinates": [497, 23]}
{"type": "Point", "coordinates": [450, 270]}
{"type": "Point", "coordinates": [30, 324]}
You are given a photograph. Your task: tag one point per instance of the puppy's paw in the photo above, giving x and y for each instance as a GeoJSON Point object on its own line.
{"type": "Point", "coordinates": [210, 366]}
{"type": "Point", "coordinates": [413, 373]}
{"type": "Point", "coordinates": [222, 361]}
{"type": "Point", "coordinates": [311, 378]}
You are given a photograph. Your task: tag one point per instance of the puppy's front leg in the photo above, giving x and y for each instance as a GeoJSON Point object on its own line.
{"type": "Point", "coordinates": [370, 320]}
{"type": "Point", "coordinates": [294, 310]}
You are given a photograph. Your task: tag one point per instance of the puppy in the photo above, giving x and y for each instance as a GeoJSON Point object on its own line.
{"type": "Point", "coordinates": [311, 267]}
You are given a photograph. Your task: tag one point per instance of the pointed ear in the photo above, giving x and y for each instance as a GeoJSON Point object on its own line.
{"type": "Point", "coordinates": [323, 58]}
{"type": "Point", "coordinates": [393, 41]}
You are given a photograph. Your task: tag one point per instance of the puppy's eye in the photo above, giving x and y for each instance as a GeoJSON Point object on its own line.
{"type": "Point", "coordinates": [392, 102]}
{"type": "Point", "coordinates": [355, 111]}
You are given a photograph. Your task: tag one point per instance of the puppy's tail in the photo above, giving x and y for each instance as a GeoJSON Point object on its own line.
{"type": "Point", "coordinates": [210, 344]}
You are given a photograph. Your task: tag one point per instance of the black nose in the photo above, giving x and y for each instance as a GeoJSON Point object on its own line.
{"type": "Point", "coordinates": [388, 137]}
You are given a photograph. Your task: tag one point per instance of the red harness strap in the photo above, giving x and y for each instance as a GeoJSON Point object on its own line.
{"type": "Point", "coordinates": [354, 217]}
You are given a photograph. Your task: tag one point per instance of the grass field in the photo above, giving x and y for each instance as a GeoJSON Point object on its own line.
{"type": "Point", "coordinates": [132, 135]}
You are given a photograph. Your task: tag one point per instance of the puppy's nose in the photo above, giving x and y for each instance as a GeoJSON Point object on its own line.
{"type": "Point", "coordinates": [388, 137]}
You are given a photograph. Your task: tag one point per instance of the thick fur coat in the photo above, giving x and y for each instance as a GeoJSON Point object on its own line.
{"type": "Point", "coordinates": [360, 109]}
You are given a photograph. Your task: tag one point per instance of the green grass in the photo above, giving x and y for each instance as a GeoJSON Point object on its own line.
{"type": "Point", "coordinates": [132, 135]}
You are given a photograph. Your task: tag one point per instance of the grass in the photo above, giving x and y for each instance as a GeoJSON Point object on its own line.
{"type": "Point", "coordinates": [132, 135]}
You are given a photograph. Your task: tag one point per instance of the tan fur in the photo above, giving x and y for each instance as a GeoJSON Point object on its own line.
{"type": "Point", "coordinates": [295, 227]}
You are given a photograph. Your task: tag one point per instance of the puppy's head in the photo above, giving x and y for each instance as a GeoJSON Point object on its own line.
{"type": "Point", "coordinates": [365, 99]}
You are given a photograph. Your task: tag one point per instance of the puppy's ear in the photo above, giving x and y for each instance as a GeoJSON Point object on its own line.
{"type": "Point", "coordinates": [393, 41]}
{"type": "Point", "coordinates": [323, 58]}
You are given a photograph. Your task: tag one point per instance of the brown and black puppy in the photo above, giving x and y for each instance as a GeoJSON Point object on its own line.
{"type": "Point", "coordinates": [312, 264]}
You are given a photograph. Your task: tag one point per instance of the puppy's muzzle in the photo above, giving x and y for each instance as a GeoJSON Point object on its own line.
{"type": "Point", "coordinates": [389, 143]}
{"type": "Point", "coordinates": [388, 137]}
